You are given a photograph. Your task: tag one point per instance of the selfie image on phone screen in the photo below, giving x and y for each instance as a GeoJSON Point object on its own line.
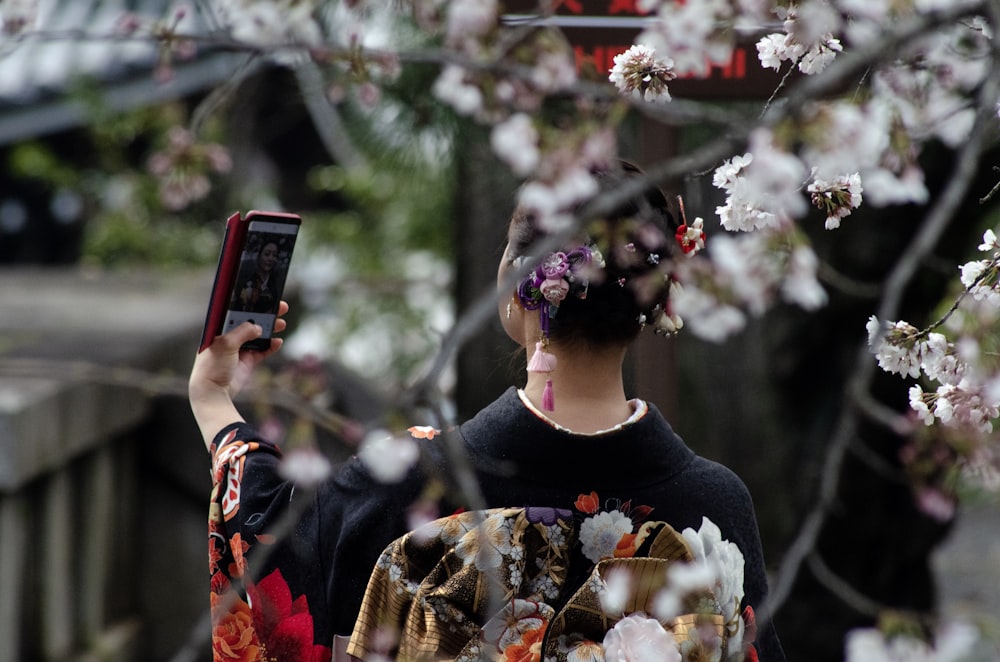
{"type": "Point", "coordinates": [261, 276]}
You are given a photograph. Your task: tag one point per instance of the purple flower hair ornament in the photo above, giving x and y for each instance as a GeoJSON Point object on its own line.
{"type": "Point", "coordinates": [557, 276]}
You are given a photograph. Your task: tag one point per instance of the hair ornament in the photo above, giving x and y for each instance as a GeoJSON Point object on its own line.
{"type": "Point", "coordinates": [559, 275]}
{"type": "Point", "coordinates": [691, 238]}
{"type": "Point", "coordinates": [665, 321]}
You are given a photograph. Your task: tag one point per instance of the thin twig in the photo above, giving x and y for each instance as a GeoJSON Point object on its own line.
{"type": "Point", "coordinates": [849, 595]}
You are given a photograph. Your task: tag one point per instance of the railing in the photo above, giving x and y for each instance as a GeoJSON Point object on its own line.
{"type": "Point", "coordinates": [103, 484]}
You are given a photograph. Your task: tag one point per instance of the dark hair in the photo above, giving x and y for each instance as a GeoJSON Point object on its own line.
{"type": "Point", "coordinates": [632, 284]}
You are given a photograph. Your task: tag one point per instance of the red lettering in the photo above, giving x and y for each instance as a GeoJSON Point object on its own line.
{"type": "Point", "coordinates": [622, 7]}
{"type": "Point", "coordinates": [737, 67]}
{"type": "Point", "coordinates": [574, 6]}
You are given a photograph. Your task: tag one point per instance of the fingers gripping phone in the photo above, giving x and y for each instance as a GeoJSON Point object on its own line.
{"type": "Point", "coordinates": [250, 278]}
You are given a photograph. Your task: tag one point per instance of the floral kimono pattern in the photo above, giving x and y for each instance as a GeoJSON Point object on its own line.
{"type": "Point", "coordinates": [252, 620]}
{"type": "Point", "coordinates": [489, 585]}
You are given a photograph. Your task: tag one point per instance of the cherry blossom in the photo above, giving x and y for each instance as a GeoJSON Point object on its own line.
{"type": "Point", "coordinates": [305, 467]}
{"type": "Point", "coordinates": [763, 190]}
{"type": "Point", "coordinates": [954, 641]}
{"type": "Point", "coordinates": [452, 88]}
{"type": "Point", "coordinates": [697, 35]}
{"type": "Point", "coordinates": [18, 17]}
{"type": "Point", "coordinates": [639, 73]}
{"type": "Point", "coordinates": [615, 592]}
{"type": "Point", "coordinates": [388, 457]}
{"type": "Point", "coordinates": [838, 198]}
{"type": "Point", "coordinates": [807, 41]}
{"type": "Point", "coordinates": [515, 141]}
{"type": "Point", "coordinates": [182, 167]}
{"type": "Point", "coordinates": [468, 19]}
{"type": "Point", "coordinates": [896, 346]}
{"type": "Point", "coordinates": [725, 560]}
{"type": "Point", "coordinates": [271, 23]}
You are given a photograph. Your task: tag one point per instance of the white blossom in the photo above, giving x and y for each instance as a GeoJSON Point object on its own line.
{"type": "Point", "coordinates": [515, 141]}
{"type": "Point", "coordinates": [726, 562]}
{"type": "Point", "coordinates": [550, 202]}
{"type": "Point", "coordinates": [554, 71]}
{"type": "Point", "coordinates": [971, 271]}
{"type": "Point", "coordinates": [819, 57]}
{"type": "Point", "coordinates": [388, 457]}
{"type": "Point", "coordinates": [615, 591]}
{"type": "Point", "coordinates": [451, 88]}
{"type": "Point", "coordinates": [470, 18]}
{"type": "Point", "coordinates": [693, 33]}
{"type": "Point", "coordinates": [706, 316]}
{"type": "Point", "coordinates": [954, 641]}
{"type": "Point", "coordinates": [918, 403]}
{"type": "Point", "coordinates": [637, 638]}
{"type": "Point", "coordinates": [639, 73]}
{"type": "Point", "coordinates": [894, 347]}
{"type": "Point", "coordinates": [305, 467]}
{"type": "Point", "coordinates": [773, 49]}
{"type": "Point", "coordinates": [18, 16]}
{"type": "Point", "coordinates": [764, 191]}
{"type": "Point", "coordinates": [838, 198]}
{"type": "Point", "coordinates": [800, 285]}
{"type": "Point", "coordinates": [270, 22]}
{"type": "Point", "coordinates": [885, 187]}
{"type": "Point", "coordinates": [989, 242]}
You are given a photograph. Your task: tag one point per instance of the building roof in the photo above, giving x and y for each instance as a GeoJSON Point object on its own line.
{"type": "Point", "coordinates": [75, 40]}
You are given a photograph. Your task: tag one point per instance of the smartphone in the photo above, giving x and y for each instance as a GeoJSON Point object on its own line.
{"type": "Point", "coordinates": [250, 278]}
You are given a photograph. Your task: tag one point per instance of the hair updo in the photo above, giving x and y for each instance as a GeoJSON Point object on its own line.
{"type": "Point", "coordinates": [635, 241]}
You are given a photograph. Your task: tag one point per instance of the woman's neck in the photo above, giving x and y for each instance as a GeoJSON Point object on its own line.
{"type": "Point", "coordinates": [587, 386]}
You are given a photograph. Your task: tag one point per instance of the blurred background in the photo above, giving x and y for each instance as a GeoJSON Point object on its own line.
{"type": "Point", "coordinates": [120, 160]}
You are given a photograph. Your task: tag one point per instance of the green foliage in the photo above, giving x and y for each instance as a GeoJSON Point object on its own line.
{"type": "Point", "coordinates": [107, 167]}
{"type": "Point", "coordinates": [391, 244]}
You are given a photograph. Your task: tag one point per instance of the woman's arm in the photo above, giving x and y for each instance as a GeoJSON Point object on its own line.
{"type": "Point", "coordinates": [221, 370]}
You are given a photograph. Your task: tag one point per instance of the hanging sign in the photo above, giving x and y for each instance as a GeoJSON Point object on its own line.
{"type": "Point", "coordinates": [599, 30]}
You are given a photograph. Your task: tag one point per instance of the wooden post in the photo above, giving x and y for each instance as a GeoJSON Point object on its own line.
{"type": "Point", "coordinates": [58, 593]}
{"type": "Point", "coordinates": [13, 550]}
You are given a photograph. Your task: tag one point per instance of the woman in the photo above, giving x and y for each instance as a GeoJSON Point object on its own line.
{"type": "Point", "coordinates": [570, 446]}
{"type": "Point", "coordinates": [257, 291]}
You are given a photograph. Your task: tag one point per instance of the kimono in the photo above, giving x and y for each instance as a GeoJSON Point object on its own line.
{"type": "Point", "coordinates": [290, 568]}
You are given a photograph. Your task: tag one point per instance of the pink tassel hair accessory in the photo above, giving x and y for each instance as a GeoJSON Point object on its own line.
{"type": "Point", "coordinates": [541, 361]}
{"type": "Point", "coordinates": [548, 398]}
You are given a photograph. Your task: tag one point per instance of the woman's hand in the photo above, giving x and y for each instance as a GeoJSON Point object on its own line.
{"type": "Point", "coordinates": [220, 372]}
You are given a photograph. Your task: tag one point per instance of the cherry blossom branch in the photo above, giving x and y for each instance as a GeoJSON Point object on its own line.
{"type": "Point", "coordinates": [993, 191]}
{"type": "Point", "coordinates": [156, 383]}
{"type": "Point", "coordinates": [933, 227]}
{"type": "Point", "coordinates": [325, 117]}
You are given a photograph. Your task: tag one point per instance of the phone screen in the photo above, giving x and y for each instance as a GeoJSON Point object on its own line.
{"type": "Point", "coordinates": [260, 279]}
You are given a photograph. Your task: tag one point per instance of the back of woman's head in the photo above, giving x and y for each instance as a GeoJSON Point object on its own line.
{"type": "Point", "coordinates": [608, 303]}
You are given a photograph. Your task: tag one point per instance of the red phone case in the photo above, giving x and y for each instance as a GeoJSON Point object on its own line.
{"type": "Point", "coordinates": [229, 263]}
